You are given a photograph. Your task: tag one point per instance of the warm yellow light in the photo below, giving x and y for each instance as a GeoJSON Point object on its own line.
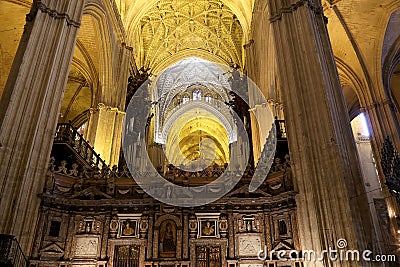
{"type": "Point", "coordinates": [201, 137]}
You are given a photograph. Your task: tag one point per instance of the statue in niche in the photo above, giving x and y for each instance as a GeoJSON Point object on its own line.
{"type": "Point", "coordinates": [88, 227]}
{"type": "Point", "coordinates": [167, 240]}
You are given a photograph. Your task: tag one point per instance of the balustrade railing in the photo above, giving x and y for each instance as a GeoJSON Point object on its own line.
{"type": "Point", "coordinates": [10, 252]}
{"type": "Point", "coordinates": [67, 134]}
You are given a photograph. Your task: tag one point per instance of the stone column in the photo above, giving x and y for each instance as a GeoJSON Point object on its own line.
{"type": "Point", "coordinates": [105, 132]}
{"type": "Point", "coordinates": [383, 123]}
{"type": "Point", "coordinates": [106, 119]}
{"type": "Point", "coordinates": [29, 111]}
{"type": "Point", "coordinates": [331, 195]}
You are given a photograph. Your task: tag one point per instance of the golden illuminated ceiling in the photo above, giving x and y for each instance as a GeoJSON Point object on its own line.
{"type": "Point", "coordinates": [195, 133]}
{"type": "Point", "coordinates": [203, 138]}
{"type": "Point", "coordinates": [175, 29]}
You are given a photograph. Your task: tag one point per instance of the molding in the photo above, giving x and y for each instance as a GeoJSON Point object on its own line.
{"type": "Point", "coordinates": [57, 15]}
{"type": "Point", "coordinates": [277, 14]}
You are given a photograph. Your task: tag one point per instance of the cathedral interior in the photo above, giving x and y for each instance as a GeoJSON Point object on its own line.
{"type": "Point", "coordinates": [110, 109]}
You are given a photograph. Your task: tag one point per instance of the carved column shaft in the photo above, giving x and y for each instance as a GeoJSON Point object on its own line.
{"type": "Point", "coordinates": [29, 111]}
{"type": "Point", "coordinates": [331, 193]}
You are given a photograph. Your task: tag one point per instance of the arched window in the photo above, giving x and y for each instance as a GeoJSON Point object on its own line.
{"type": "Point", "coordinates": [185, 99]}
{"type": "Point", "coordinates": [197, 94]}
{"type": "Point", "coordinates": [208, 98]}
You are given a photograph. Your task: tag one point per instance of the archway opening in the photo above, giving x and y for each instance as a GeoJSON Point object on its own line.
{"type": "Point", "coordinates": [193, 124]}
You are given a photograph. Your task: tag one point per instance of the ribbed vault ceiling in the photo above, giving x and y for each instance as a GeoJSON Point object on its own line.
{"type": "Point", "coordinates": [175, 29]}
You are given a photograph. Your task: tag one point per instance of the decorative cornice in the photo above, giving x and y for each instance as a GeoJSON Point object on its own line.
{"type": "Point", "coordinates": [56, 15]}
{"type": "Point", "coordinates": [293, 7]}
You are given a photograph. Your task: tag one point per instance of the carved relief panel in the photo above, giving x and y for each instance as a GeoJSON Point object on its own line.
{"type": "Point", "coordinates": [248, 245]}
{"type": "Point", "coordinates": [86, 246]}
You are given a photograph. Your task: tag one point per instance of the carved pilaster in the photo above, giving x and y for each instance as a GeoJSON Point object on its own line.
{"type": "Point", "coordinates": [29, 111]}
{"type": "Point", "coordinates": [150, 232]}
{"type": "Point", "coordinates": [185, 248]}
{"type": "Point", "coordinates": [70, 236]}
{"type": "Point", "coordinates": [179, 243]}
{"type": "Point", "coordinates": [231, 235]}
{"type": "Point", "coordinates": [267, 232]}
{"type": "Point", "coordinates": [293, 222]}
{"type": "Point", "coordinates": [104, 241]}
